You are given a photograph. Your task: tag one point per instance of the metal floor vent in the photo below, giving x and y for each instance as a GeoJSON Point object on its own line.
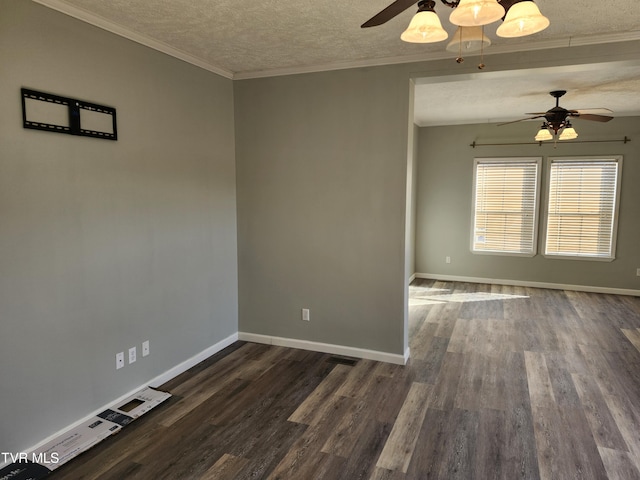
{"type": "Point", "coordinates": [342, 360]}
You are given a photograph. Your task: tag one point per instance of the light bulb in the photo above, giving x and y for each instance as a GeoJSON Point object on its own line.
{"type": "Point", "coordinates": [471, 13]}
{"type": "Point", "coordinates": [543, 134]}
{"type": "Point", "coordinates": [523, 18]}
{"type": "Point", "coordinates": [425, 27]}
{"type": "Point", "coordinates": [568, 133]}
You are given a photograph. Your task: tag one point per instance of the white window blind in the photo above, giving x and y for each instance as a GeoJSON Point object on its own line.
{"type": "Point", "coordinates": [505, 206]}
{"type": "Point", "coordinates": [582, 208]}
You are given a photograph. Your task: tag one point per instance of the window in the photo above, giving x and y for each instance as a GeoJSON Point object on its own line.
{"type": "Point", "coordinates": [505, 200]}
{"type": "Point", "coordinates": [582, 207]}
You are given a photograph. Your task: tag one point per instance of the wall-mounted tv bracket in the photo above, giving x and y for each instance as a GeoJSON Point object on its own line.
{"type": "Point", "coordinates": [53, 113]}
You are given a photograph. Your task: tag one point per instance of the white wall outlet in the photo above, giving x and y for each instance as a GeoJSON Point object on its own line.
{"type": "Point", "coordinates": [119, 360]}
{"type": "Point", "coordinates": [447, 259]}
{"type": "Point", "coordinates": [638, 272]}
{"type": "Point", "coordinates": [145, 348]}
{"type": "Point", "coordinates": [132, 355]}
{"type": "Point", "coordinates": [305, 315]}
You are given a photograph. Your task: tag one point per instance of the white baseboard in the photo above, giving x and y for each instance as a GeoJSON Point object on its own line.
{"type": "Point", "coordinates": [193, 361]}
{"type": "Point", "coordinates": [155, 382]}
{"type": "Point", "coordinates": [519, 283]}
{"type": "Point", "coordinates": [206, 353]}
{"type": "Point", "coordinates": [326, 348]}
{"type": "Point", "coordinates": [412, 278]}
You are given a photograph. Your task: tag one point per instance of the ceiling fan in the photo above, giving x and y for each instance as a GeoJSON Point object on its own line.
{"type": "Point", "coordinates": [557, 119]}
{"type": "Point", "coordinates": [399, 6]}
{"type": "Point", "coordinates": [519, 18]}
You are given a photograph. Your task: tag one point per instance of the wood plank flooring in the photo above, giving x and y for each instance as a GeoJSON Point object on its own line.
{"type": "Point", "coordinates": [503, 383]}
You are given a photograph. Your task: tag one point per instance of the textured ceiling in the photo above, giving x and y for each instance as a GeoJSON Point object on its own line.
{"type": "Point", "coordinates": [245, 39]}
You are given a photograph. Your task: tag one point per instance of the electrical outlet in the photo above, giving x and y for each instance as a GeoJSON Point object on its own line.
{"type": "Point", "coordinates": [447, 259]}
{"type": "Point", "coordinates": [145, 348]}
{"type": "Point", "coordinates": [132, 355]}
{"type": "Point", "coordinates": [119, 360]}
{"type": "Point", "coordinates": [638, 272]}
{"type": "Point", "coordinates": [305, 315]}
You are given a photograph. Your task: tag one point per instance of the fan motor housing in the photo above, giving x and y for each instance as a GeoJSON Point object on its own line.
{"type": "Point", "coordinates": [556, 115]}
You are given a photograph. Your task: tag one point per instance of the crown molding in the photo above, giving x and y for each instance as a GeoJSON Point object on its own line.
{"type": "Point", "coordinates": [100, 22]}
{"type": "Point", "coordinates": [121, 31]}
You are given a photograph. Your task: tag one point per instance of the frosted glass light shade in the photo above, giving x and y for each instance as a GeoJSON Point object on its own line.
{"type": "Point", "coordinates": [425, 27]}
{"type": "Point", "coordinates": [523, 18]}
{"type": "Point", "coordinates": [472, 39]}
{"type": "Point", "coordinates": [568, 133]}
{"type": "Point", "coordinates": [472, 13]}
{"type": "Point", "coordinates": [543, 134]}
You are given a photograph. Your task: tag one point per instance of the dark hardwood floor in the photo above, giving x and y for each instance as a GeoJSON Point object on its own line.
{"type": "Point", "coordinates": [503, 383]}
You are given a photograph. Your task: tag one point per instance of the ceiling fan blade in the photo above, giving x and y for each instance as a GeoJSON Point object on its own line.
{"type": "Point", "coordinates": [388, 13]}
{"type": "Point", "coordinates": [535, 113]}
{"type": "Point", "coordinates": [595, 111]}
{"type": "Point", "coordinates": [589, 116]}
{"type": "Point", "coordinates": [521, 120]}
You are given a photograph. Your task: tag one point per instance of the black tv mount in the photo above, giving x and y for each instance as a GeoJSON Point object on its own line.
{"type": "Point", "coordinates": [54, 113]}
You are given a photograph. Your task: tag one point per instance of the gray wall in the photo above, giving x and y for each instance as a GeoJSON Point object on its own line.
{"type": "Point", "coordinates": [106, 244]}
{"type": "Point", "coordinates": [412, 200]}
{"type": "Point", "coordinates": [410, 214]}
{"type": "Point", "coordinates": [445, 203]}
{"type": "Point", "coordinates": [322, 172]}
{"type": "Point", "coordinates": [322, 196]}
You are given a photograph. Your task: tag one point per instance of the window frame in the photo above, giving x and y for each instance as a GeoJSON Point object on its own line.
{"type": "Point", "coordinates": [616, 212]}
{"type": "Point", "coordinates": [536, 213]}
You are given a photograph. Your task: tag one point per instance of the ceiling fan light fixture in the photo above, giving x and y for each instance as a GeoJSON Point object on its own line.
{"type": "Point", "coordinates": [472, 13]}
{"type": "Point", "coordinates": [472, 39]}
{"type": "Point", "coordinates": [544, 133]}
{"type": "Point", "coordinates": [568, 133]}
{"type": "Point", "coordinates": [522, 19]}
{"type": "Point", "coordinates": [425, 27]}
